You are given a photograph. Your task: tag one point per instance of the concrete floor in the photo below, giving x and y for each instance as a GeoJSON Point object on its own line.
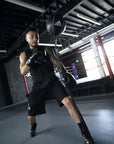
{"type": "Point", "coordinates": [56, 126]}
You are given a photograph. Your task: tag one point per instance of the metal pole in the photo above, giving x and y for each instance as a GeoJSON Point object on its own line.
{"type": "Point", "coordinates": [97, 57]}
{"type": "Point", "coordinates": [105, 57]}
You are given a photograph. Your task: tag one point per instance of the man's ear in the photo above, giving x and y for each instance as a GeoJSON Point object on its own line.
{"type": "Point", "coordinates": [26, 38]}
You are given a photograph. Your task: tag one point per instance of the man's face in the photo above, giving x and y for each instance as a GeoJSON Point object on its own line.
{"type": "Point", "coordinates": [32, 37]}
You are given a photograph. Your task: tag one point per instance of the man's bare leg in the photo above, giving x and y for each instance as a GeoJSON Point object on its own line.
{"type": "Point", "coordinates": [72, 111]}
{"type": "Point", "coordinates": [75, 116]}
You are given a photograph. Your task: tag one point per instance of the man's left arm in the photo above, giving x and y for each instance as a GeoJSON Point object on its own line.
{"type": "Point", "coordinates": [68, 78]}
{"type": "Point", "coordinates": [56, 62]}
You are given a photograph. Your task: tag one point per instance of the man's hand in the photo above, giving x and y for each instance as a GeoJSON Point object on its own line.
{"type": "Point", "coordinates": [69, 79]}
{"type": "Point", "coordinates": [36, 57]}
{"type": "Point", "coordinates": [70, 83]}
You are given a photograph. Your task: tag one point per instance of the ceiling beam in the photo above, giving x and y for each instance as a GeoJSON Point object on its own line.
{"type": "Point", "coordinates": [98, 6]}
{"type": "Point", "coordinates": [64, 11]}
{"type": "Point", "coordinates": [27, 5]}
{"type": "Point", "coordinates": [85, 40]}
{"type": "Point", "coordinates": [69, 7]}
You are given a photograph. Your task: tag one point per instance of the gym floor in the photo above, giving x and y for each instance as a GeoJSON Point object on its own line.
{"type": "Point", "coordinates": [56, 126]}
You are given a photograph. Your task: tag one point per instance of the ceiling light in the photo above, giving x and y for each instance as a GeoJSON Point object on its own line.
{"type": "Point", "coordinates": [3, 51]}
{"type": "Point", "coordinates": [87, 18]}
{"type": "Point", "coordinates": [27, 5]}
{"type": "Point", "coordinates": [85, 40]}
{"type": "Point", "coordinates": [51, 45]}
{"type": "Point", "coordinates": [69, 34]}
{"type": "Point", "coordinates": [64, 51]}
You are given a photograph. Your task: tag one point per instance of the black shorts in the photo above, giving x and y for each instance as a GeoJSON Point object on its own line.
{"type": "Point", "coordinates": [37, 97]}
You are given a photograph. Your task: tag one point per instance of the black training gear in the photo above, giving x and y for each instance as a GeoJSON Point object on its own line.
{"type": "Point", "coordinates": [36, 57]}
{"type": "Point", "coordinates": [41, 69]}
{"type": "Point", "coordinates": [33, 129]}
{"type": "Point", "coordinates": [70, 82]}
{"type": "Point", "coordinates": [86, 134]}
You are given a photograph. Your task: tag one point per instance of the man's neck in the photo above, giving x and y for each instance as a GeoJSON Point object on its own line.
{"type": "Point", "coordinates": [34, 48]}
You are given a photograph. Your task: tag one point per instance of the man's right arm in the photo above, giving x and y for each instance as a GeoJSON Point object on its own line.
{"type": "Point", "coordinates": [23, 67]}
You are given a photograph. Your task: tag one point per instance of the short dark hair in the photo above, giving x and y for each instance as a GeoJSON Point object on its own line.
{"type": "Point", "coordinates": [32, 29]}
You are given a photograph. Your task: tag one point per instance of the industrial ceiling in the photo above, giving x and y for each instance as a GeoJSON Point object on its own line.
{"type": "Point", "coordinates": [82, 18]}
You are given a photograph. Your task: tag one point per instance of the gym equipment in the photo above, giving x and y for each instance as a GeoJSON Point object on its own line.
{"type": "Point", "coordinates": [52, 26]}
{"type": "Point", "coordinates": [33, 129]}
{"type": "Point", "coordinates": [55, 31]}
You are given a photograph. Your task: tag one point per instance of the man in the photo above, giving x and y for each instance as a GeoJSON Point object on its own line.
{"type": "Point", "coordinates": [40, 62]}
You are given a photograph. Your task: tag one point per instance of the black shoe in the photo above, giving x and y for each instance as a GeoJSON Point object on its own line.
{"type": "Point", "coordinates": [32, 133]}
{"type": "Point", "coordinates": [88, 140]}
{"type": "Point", "coordinates": [33, 129]}
{"type": "Point", "coordinates": [86, 134]}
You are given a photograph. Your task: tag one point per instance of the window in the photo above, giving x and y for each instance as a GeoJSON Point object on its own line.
{"type": "Point", "coordinates": [109, 48]}
{"type": "Point", "coordinates": [90, 62]}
